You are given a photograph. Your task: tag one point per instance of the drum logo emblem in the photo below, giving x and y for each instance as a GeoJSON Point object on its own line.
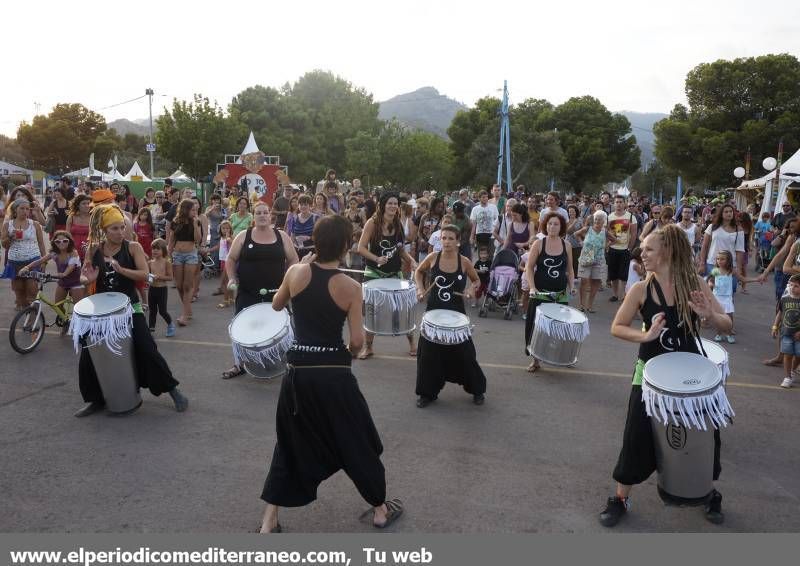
{"type": "Point", "coordinates": [676, 436]}
{"type": "Point", "coordinates": [691, 381]}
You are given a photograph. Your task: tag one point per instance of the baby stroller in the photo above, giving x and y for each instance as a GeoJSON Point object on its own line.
{"type": "Point", "coordinates": [503, 291]}
{"type": "Point", "coordinates": [209, 267]}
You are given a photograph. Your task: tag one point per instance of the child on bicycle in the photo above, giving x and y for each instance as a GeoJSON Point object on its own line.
{"type": "Point", "coordinates": [68, 266]}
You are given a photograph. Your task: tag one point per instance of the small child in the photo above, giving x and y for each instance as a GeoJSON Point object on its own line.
{"type": "Point", "coordinates": [482, 266]}
{"type": "Point", "coordinates": [435, 241]}
{"type": "Point", "coordinates": [764, 235]}
{"type": "Point", "coordinates": [635, 269]}
{"type": "Point", "coordinates": [787, 323]}
{"type": "Point", "coordinates": [721, 281]}
{"type": "Point", "coordinates": [68, 266]}
{"type": "Point", "coordinates": [523, 261]}
{"type": "Point", "coordinates": [225, 241]}
{"type": "Point", "coordinates": [160, 274]}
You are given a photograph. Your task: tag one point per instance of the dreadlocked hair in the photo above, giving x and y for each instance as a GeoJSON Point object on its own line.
{"type": "Point", "coordinates": [677, 252]}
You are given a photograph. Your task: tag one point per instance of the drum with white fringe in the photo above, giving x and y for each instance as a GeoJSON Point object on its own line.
{"type": "Point", "coordinates": [718, 355]}
{"type": "Point", "coordinates": [389, 306]}
{"type": "Point", "coordinates": [558, 334]}
{"type": "Point", "coordinates": [260, 337]}
{"type": "Point", "coordinates": [685, 400]}
{"type": "Point", "coordinates": [446, 327]}
{"type": "Point", "coordinates": [102, 324]}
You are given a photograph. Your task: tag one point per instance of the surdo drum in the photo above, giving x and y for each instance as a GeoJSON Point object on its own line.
{"type": "Point", "coordinates": [685, 400]}
{"type": "Point", "coordinates": [260, 337]}
{"type": "Point", "coordinates": [102, 324]}
{"type": "Point", "coordinates": [389, 306]}
{"type": "Point", "coordinates": [446, 327]}
{"type": "Point", "coordinates": [558, 334]}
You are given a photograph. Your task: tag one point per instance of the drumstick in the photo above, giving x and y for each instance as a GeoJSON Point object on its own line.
{"type": "Point", "coordinates": [353, 270]}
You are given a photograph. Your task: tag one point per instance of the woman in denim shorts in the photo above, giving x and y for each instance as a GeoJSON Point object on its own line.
{"type": "Point", "coordinates": [184, 239]}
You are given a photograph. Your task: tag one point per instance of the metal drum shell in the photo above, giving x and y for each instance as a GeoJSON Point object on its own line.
{"type": "Point", "coordinates": [429, 323]}
{"type": "Point", "coordinates": [554, 351]}
{"type": "Point", "coordinates": [268, 370]}
{"type": "Point", "coordinates": [684, 460]}
{"type": "Point", "coordinates": [383, 319]}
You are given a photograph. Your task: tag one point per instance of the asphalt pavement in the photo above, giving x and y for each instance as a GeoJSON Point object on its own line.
{"type": "Point", "coordinates": [537, 457]}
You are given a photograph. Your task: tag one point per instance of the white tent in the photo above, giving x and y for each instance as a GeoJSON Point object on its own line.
{"type": "Point", "coordinates": [250, 147]}
{"type": "Point", "coordinates": [179, 176]}
{"type": "Point", "coordinates": [117, 176]}
{"type": "Point", "coordinates": [87, 172]}
{"type": "Point", "coordinates": [136, 171]}
{"type": "Point", "coordinates": [11, 169]}
{"type": "Point", "coordinates": [790, 173]}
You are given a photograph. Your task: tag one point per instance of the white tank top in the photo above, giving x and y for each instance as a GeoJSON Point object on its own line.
{"type": "Point", "coordinates": [24, 249]}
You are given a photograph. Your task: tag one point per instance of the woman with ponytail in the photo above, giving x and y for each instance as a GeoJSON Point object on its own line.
{"type": "Point", "coordinates": [672, 301]}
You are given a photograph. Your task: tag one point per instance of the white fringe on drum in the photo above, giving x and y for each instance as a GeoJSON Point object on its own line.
{"type": "Point", "coordinates": [401, 300]}
{"type": "Point", "coordinates": [692, 410]}
{"type": "Point", "coordinates": [447, 336]}
{"type": "Point", "coordinates": [111, 330]}
{"type": "Point", "coordinates": [562, 330]}
{"type": "Point", "coordinates": [270, 355]}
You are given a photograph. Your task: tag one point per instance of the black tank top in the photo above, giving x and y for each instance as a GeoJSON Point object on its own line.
{"type": "Point", "coordinates": [261, 266]}
{"type": "Point", "coordinates": [445, 285]}
{"type": "Point", "coordinates": [318, 323]}
{"type": "Point", "coordinates": [675, 337]}
{"type": "Point", "coordinates": [388, 246]}
{"type": "Point", "coordinates": [184, 232]}
{"type": "Point", "coordinates": [60, 217]}
{"type": "Point", "coordinates": [109, 280]}
{"type": "Point", "coordinates": [551, 270]}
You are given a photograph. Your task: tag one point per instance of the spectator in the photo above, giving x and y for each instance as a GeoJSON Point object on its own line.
{"type": "Point", "coordinates": [622, 226]}
{"type": "Point", "coordinates": [786, 214]}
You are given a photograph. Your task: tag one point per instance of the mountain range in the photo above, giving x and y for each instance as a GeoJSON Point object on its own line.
{"type": "Point", "coordinates": [429, 110]}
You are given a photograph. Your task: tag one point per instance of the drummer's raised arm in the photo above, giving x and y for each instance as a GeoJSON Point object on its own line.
{"type": "Point", "coordinates": [284, 294]}
{"type": "Point", "coordinates": [621, 326]}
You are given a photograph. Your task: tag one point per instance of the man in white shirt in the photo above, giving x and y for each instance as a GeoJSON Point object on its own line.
{"type": "Point", "coordinates": [483, 216]}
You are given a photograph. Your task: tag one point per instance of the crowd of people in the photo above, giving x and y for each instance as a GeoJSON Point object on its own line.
{"type": "Point", "coordinates": [678, 266]}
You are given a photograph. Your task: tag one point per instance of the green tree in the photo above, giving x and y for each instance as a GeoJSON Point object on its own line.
{"type": "Point", "coordinates": [197, 134]}
{"type": "Point", "coordinates": [733, 105]}
{"type": "Point", "coordinates": [474, 136]}
{"type": "Point", "coordinates": [12, 152]}
{"type": "Point", "coordinates": [597, 145]}
{"type": "Point", "coordinates": [63, 139]}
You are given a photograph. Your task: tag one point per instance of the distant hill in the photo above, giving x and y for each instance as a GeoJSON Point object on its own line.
{"type": "Point", "coordinates": [424, 108]}
{"type": "Point", "coordinates": [138, 127]}
{"type": "Point", "coordinates": [642, 127]}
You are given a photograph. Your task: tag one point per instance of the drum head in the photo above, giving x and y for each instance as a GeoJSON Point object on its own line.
{"type": "Point", "coordinates": [101, 304]}
{"type": "Point", "coordinates": [446, 318]}
{"type": "Point", "coordinates": [389, 284]}
{"type": "Point", "coordinates": [716, 353]}
{"type": "Point", "coordinates": [257, 324]}
{"type": "Point", "coordinates": [682, 373]}
{"type": "Point", "coordinates": [562, 313]}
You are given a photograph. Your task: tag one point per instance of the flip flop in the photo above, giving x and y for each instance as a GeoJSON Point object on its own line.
{"type": "Point", "coordinates": [364, 354]}
{"type": "Point", "coordinates": [231, 373]}
{"type": "Point", "coordinates": [534, 367]}
{"type": "Point", "coordinates": [413, 353]}
{"type": "Point", "coordinates": [394, 508]}
{"type": "Point", "coordinates": [772, 362]}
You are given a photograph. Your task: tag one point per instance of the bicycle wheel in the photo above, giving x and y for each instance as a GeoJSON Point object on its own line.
{"type": "Point", "coordinates": [27, 330]}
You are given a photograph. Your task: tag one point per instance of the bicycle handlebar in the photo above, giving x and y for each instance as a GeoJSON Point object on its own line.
{"type": "Point", "coordinates": [38, 276]}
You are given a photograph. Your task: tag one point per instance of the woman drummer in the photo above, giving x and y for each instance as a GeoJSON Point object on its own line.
{"type": "Point", "coordinates": [381, 245]}
{"type": "Point", "coordinates": [549, 273]}
{"type": "Point", "coordinates": [258, 259]}
{"type": "Point", "coordinates": [672, 300]}
{"type": "Point", "coordinates": [323, 422]}
{"type": "Point", "coordinates": [437, 363]}
{"type": "Point", "coordinates": [116, 264]}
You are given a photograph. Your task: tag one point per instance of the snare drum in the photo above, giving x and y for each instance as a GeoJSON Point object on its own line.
{"type": "Point", "coordinates": [102, 324]}
{"type": "Point", "coordinates": [446, 327]}
{"type": "Point", "coordinates": [719, 356]}
{"type": "Point", "coordinates": [558, 334]}
{"type": "Point", "coordinates": [685, 400]}
{"type": "Point", "coordinates": [389, 306]}
{"type": "Point", "coordinates": [260, 337]}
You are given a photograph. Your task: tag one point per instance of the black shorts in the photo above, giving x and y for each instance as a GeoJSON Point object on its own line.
{"type": "Point", "coordinates": [618, 262]}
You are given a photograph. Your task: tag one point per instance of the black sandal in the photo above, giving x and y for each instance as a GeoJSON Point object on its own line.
{"type": "Point", "coordinates": [231, 373]}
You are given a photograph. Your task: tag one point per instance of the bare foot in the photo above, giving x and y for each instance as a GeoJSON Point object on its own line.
{"type": "Point", "coordinates": [366, 352]}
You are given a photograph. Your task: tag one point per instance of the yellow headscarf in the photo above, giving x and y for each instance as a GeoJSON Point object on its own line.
{"type": "Point", "coordinates": [111, 215]}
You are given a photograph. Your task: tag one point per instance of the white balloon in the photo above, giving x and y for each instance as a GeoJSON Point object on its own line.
{"type": "Point", "coordinates": [769, 163]}
{"type": "Point", "coordinates": [738, 172]}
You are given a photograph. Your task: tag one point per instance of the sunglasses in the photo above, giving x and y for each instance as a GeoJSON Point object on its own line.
{"type": "Point", "coordinates": [61, 241]}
